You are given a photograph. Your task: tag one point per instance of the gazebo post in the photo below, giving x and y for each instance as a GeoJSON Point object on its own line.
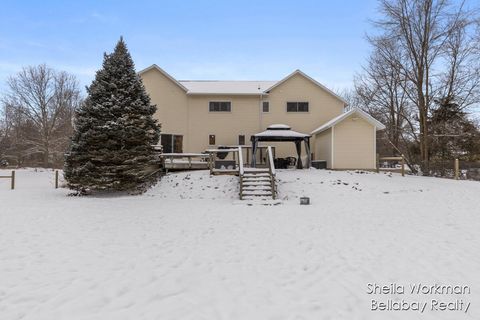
{"type": "Point", "coordinates": [307, 150]}
{"type": "Point", "coordinates": [298, 145]}
{"type": "Point", "coordinates": [254, 152]}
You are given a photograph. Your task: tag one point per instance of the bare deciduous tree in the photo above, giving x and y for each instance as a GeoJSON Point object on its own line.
{"type": "Point", "coordinates": [425, 52]}
{"type": "Point", "coordinates": [40, 105]}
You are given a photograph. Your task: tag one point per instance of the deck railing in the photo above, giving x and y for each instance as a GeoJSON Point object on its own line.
{"type": "Point", "coordinates": [173, 160]}
{"type": "Point", "coordinates": [213, 155]}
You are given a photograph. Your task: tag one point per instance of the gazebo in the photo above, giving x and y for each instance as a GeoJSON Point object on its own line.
{"type": "Point", "coordinates": [282, 133]}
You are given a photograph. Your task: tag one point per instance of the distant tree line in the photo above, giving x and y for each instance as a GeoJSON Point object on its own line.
{"type": "Point", "coordinates": [36, 116]}
{"type": "Point", "coordinates": [422, 79]}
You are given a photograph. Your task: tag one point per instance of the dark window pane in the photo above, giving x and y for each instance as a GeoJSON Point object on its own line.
{"type": "Point", "coordinates": [166, 141]}
{"type": "Point", "coordinates": [266, 106]}
{"type": "Point", "coordinates": [219, 106]}
{"type": "Point", "coordinates": [303, 107]}
{"type": "Point", "coordinates": [225, 107]}
{"type": "Point", "coordinates": [178, 144]}
{"type": "Point", "coordinates": [291, 107]}
{"type": "Point", "coordinates": [211, 106]}
{"type": "Point", "coordinates": [211, 139]}
{"type": "Point", "coordinates": [241, 140]}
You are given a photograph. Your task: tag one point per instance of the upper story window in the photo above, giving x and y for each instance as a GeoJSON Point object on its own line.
{"type": "Point", "coordinates": [266, 106]}
{"type": "Point", "coordinates": [297, 106]}
{"type": "Point", "coordinates": [220, 106]}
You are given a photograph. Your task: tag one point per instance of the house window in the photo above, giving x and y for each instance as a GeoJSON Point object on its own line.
{"type": "Point", "coordinates": [241, 140]}
{"type": "Point", "coordinates": [220, 106]}
{"type": "Point", "coordinates": [297, 106]}
{"type": "Point", "coordinates": [266, 106]}
{"type": "Point", "coordinates": [171, 143]}
{"type": "Point", "coordinates": [211, 139]}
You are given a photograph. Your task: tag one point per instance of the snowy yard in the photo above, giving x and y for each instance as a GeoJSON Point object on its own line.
{"type": "Point", "coordinates": [188, 250]}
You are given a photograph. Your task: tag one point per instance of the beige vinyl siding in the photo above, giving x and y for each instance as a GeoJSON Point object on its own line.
{"type": "Point", "coordinates": [354, 144]}
{"type": "Point", "coordinates": [171, 101]}
{"type": "Point", "coordinates": [322, 107]}
{"type": "Point", "coordinates": [323, 146]}
{"type": "Point", "coordinates": [350, 144]}
{"type": "Point", "coordinates": [243, 119]}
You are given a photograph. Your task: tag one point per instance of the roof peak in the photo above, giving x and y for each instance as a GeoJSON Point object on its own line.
{"type": "Point", "coordinates": [254, 86]}
{"type": "Point", "coordinates": [191, 80]}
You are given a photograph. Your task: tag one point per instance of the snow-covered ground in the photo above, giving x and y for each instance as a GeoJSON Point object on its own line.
{"type": "Point", "coordinates": [188, 250]}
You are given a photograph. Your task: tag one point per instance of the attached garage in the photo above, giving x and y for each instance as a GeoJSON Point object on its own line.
{"type": "Point", "coordinates": [348, 141]}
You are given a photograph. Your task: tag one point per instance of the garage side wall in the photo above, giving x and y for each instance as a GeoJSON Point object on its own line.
{"type": "Point", "coordinates": [354, 144]}
{"type": "Point", "coordinates": [323, 147]}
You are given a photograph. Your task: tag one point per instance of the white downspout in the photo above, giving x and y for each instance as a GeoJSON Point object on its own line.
{"type": "Point", "coordinates": [332, 166]}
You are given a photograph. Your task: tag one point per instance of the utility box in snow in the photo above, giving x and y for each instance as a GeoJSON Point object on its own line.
{"type": "Point", "coordinates": [304, 201]}
{"type": "Point", "coordinates": [319, 164]}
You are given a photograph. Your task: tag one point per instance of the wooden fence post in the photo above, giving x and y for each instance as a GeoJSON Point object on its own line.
{"type": "Point", "coordinates": [13, 180]}
{"type": "Point", "coordinates": [457, 169]}
{"type": "Point", "coordinates": [56, 179]}
{"type": "Point", "coordinates": [403, 165]}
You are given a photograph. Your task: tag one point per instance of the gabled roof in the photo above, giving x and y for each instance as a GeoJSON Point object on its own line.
{"type": "Point", "coordinates": [154, 66]}
{"type": "Point", "coordinates": [226, 87]}
{"type": "Point", "coordinates": [222, 87]}
{"type": "Point", "coordinates": [308, 78]}
{"type": "Point", "coordinates": [374, 122]}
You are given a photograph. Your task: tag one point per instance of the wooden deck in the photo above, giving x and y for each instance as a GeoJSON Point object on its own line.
{"type": "Point", "coordinates": [185, 161]}
{"type": "Point", "coordinates": [203, 161]}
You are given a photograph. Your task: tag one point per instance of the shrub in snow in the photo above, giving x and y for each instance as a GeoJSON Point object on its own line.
{"type": "Point", "coordinates": [111, 148]}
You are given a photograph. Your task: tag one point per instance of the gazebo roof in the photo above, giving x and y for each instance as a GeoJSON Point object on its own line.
{"type": "Point", "coordinates": [280, 132]}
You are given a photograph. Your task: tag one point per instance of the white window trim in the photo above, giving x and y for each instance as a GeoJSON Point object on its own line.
{"type": "Point", "coordinates": [231, 106]}
{"type": "Point", "coordinates": [301, 112]}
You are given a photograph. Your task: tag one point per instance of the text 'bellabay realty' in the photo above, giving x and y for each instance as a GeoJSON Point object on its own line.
{"type": "Point", "coordinates": [419, 305]}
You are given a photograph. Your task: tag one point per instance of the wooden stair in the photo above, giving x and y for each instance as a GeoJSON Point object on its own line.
{"type": "Point", "coordinates": [257, 184]}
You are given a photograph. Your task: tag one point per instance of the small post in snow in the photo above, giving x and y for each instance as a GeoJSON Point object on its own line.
{"type": "Point", "coordinates": [56, 179]}
{"type": "Point", "coordinates": [403, 165]}
{"type": "Point", "coordinates": [13, 180]}
{"type": "Point", "coordinates": [457, 169]}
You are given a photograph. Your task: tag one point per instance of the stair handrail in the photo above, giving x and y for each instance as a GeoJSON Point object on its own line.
{"type": "Point", "coordinates": [271, 165]}
{"type": "Point", "coordinates": [241, 170]}
{"type": "Point", "coordinates": [271, 169]}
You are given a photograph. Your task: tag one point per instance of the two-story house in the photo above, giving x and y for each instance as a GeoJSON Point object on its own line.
{"type": "Point", "coordinates": [197, 115]}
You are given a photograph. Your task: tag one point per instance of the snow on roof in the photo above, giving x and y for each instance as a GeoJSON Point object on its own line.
{"type": "Point", "coordinates": [278, 126]}
{"type": "Point", "coordinates": [226, 87]}
{"type": "Point", "coordinates": [343, 116]}
{"type": "Point", "coordinates": [155, 67]}
{"type": "Point", "coordinates": [310, 79]}
{"type": "Point", "coordinates": [287, 133]}
{"type": "Point", "coordinates": [234, 87]}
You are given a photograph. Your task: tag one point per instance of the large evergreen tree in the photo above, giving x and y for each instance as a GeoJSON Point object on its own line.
{"type": "Point", "coordinates": [111, 148]}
